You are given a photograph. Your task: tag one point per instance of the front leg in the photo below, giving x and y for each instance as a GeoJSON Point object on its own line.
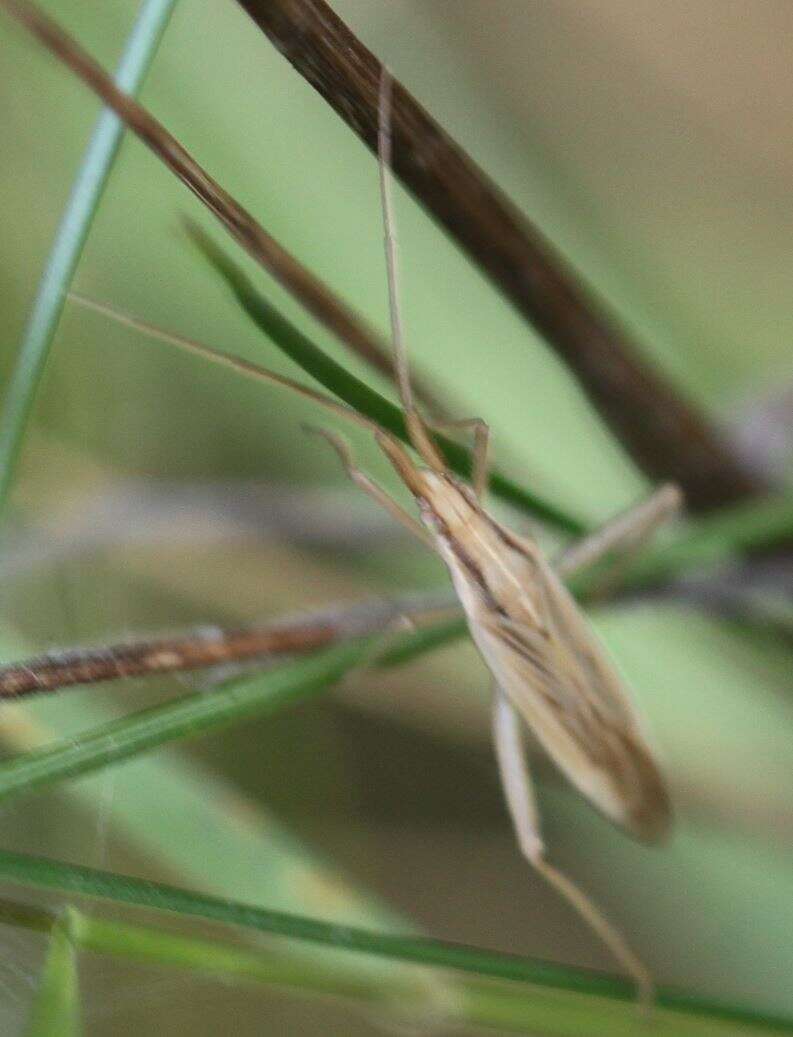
{"type": "Point", "coordinates": [480, 458]}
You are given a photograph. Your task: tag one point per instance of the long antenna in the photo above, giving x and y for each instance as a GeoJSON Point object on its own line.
{"type": "Point", "coordinates": [384, 149]}
{"type": "Point", "coordinates": [217, 356]}
{"type": "Point", "coordinates": [419, 434]}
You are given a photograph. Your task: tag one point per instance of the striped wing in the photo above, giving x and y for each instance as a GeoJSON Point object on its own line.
{"type": "Point", "coordinates": [543, 654]}
{"type": "Point", "coordinates": [549, 662]}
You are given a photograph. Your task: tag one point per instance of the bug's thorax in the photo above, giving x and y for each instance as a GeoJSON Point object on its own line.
{"type": "Point", "coordinates": [484, 558]}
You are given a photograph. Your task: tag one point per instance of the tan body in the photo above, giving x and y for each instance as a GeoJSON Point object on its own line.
{"type": "Point", "coordinates": [541, 652]}
{"type": "Point", "coordinates": [547, 665]}
{"type": "Point", "coordinates": [544, 656]}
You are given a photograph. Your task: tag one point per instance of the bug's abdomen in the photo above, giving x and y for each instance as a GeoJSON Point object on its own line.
{"type": "Point", "coordinates": [541, 651]}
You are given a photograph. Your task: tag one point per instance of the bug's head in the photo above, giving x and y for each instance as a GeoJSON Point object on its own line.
{"type": "Point", "coordinates": [448, 505]}
{"type": "Point", "coordinates": [412, 476]}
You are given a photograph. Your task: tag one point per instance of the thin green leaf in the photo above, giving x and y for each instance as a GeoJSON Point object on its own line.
{"type": "Point", "coordinates": [403, 991]}
{"type": "Point", "coordinates": [186, 717]}
{"type": "Point", "coordinates": [569, 1001]}
{"type": "Point", "coordinates": [358, 394]}
{"type": "Point", "coordinates": [409, 646]}
{"type": "Point", "coordinates": [265, 965]}
{"type": "Point", "coordinates": [715, 539]}
{"type": "Point", "coordinates": [202, 712]}
{"type": "Point", "coordinates": [505, 1006]}
{"type": "Point", "coordinates": [56, 1008]}
{"type": "Point", "coordinates": [70, 239]}
{"type": "Point", "coordinates": [288, 874]}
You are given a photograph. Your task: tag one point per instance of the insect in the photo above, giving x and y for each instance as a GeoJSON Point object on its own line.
{"type": "Point", "coordinates": [547, 667]}
{"type": "Point", "coordinates": [549, 672]}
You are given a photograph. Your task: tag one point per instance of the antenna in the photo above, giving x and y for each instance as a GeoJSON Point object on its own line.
{"type": "Point", "coordinates": [384, 149]}
{"type": "Point", "coordinates": [417, 431]}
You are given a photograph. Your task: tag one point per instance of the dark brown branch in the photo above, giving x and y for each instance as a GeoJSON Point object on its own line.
{"type": "Point", "coordinates": [207, 648]}
{"type": "Point", "coordinates": [662, 431]}
{"type": "Point", "coordinates": [318, 299]}
{"type": "Point", "coordinates": [194, 650]}
{"type": "Point", "coordinates": [735, 592]}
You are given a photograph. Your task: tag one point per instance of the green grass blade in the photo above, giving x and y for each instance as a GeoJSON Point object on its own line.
{"type": "Point", "coordinates": [56, 1008]}
{"type": "Point", "coordinates": [266, 965]}
{"type": "Point", "coordinates": [70, 239]}
{"type": "Point", "coordinates": [705, 542]}
{"type": "Point", "coordinates": [358, 394]}
{"type": "Point", "coordinates": [717, 538]}
{"type": "Point", "coordinates": [608, 1008]}
{"type": "Point", "coordinates": [186, 717]}
{"type": "Point", "coordinates": [287, 874]}
{"type": "Point", "coordinates": [425, 639]}
{"type": "Point", "coordinates": [409, 1001]}
{"type": "Point", "coordinates": [201, 712]}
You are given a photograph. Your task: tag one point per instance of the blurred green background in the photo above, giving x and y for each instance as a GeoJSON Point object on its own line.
{"type": "Point", "coordinates": [651, 145]}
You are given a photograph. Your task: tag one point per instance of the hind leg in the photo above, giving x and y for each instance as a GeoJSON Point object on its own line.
{"type": "Point", "coordinates": [516, 782]}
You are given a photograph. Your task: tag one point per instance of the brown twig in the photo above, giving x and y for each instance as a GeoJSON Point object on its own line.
{"type": "Point", "coordinates": [318, 299]}
{"type": "Point", "coordinates": [662, 431]}
{"type": "Point", "coordinates": [749, 592]}
{"type": "Point", "coordinates": [193, 650]}
{"type": "Point", "coordinates": [211, 647]}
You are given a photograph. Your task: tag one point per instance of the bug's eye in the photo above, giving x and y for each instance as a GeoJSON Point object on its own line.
{"type": "Point", "coordinates": [428, 515]}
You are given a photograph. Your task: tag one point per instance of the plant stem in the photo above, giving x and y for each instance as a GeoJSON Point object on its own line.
{"type": "Point", "coordinates": [358, 395]}
{"type": "Point", "coordinates": [70, 239]}
{"type": "Point", "coordinates": [557, 1000]}
{"type": "Point", "coordinates": [187, 717]}
{"type": "Point", "coordinates": [56, 1007]}
{"type": "Point", "coordinates": [664, 433]}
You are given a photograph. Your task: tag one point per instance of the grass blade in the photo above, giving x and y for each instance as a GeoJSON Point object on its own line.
{"type": "Point", "coordinates": [357, 394]}
{"type": "Point", "coordinates": [56, 1008]}
{"type": "Point", "coordinates": [405, 998]}
{"type": "Point", "coordinates": [608, 1008]}
{"type": "Point", "coordinates": [170, 804]}
{"type": "Point", "coordinates": [716, 539]}
{"type": "Point", "coordinates": [70, 239]}
{"type": "Point", "coordinates": [199, 713]}
{"type": "Point", "coordinates": [187, 717]}
{"type": "Point", "coordinates": [265, 965]}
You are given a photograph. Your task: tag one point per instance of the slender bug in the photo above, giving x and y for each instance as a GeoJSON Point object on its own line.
{"type": "Point", "coordinates": [548, 668]}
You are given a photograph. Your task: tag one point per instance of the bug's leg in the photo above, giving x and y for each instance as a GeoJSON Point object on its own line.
{"type": "Point", "coordinates": [516, 782]}
{"type": "Point", "coordinates": [481, 462]}
{"type": "Point", "coordinates": [369, 486]}
{"type": "Point", "coordinates": [623, 534]}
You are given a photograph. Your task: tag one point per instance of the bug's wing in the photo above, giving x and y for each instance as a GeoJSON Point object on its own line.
{"type": "Point", "coordinates": [559, 678]}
